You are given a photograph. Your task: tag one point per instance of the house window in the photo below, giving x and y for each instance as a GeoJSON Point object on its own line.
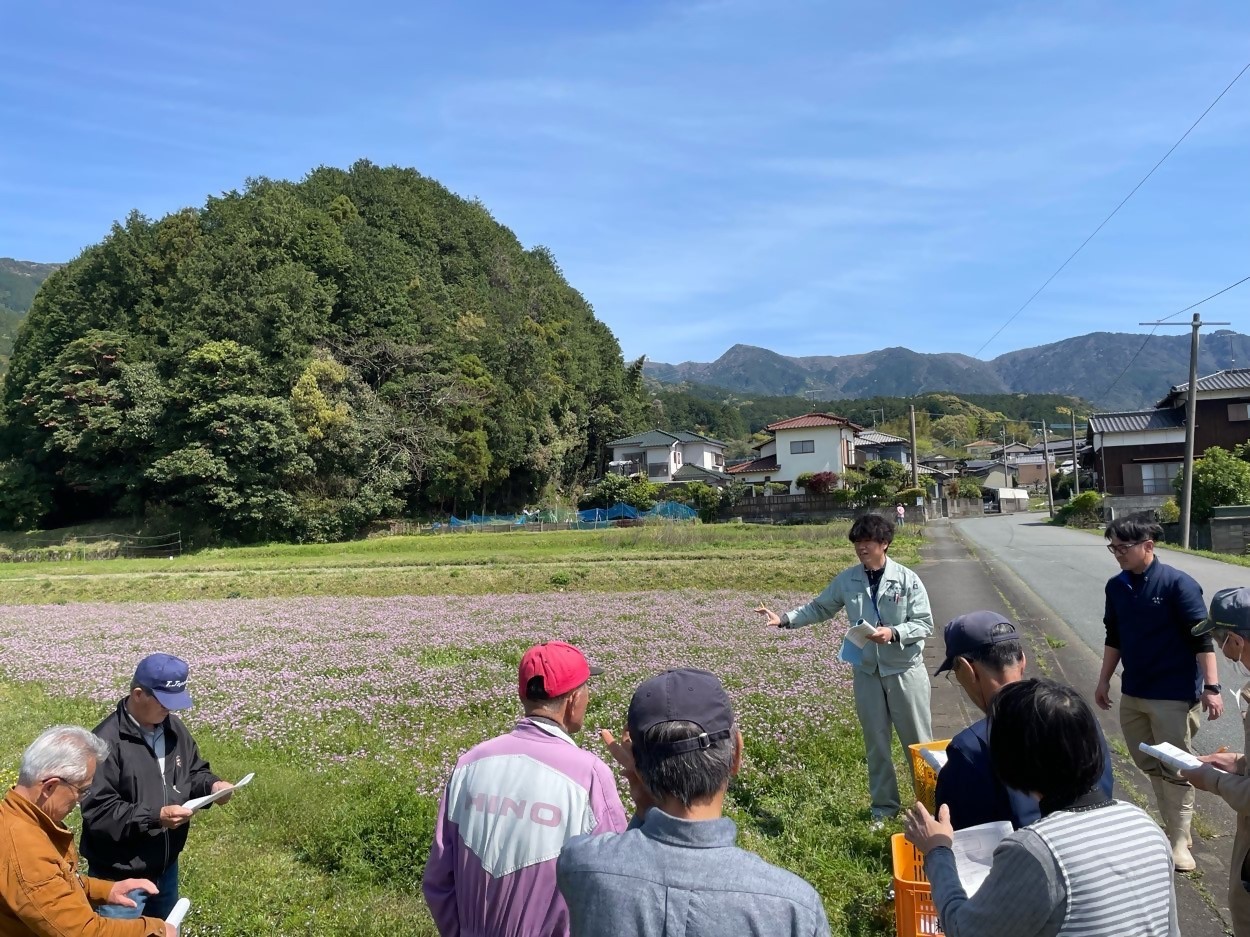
{"type": "Point", "coordinates": [1238, 412]}
{"type": "Point", "coordinates": [800, 446]}
{"type": "Point", "coordinates": [1156, 477]}
{"type": "Point", "coordinates": [718, 459]}
{"type": "Point", "coordinates": [676, 458]}
{"type": "Point", "coordinates": [657, 470]}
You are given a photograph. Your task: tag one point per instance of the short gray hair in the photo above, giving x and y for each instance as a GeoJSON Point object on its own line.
{"type": "Point", "coordinates": [61, 752]}
{"type": "Point", "coordinates": [688, 776]}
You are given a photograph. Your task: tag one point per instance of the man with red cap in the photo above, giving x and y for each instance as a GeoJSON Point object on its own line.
{"type": "Point", "coordinates": [511, 804]}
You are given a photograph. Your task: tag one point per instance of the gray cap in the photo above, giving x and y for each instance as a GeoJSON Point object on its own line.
{"type": "Point", "coordinates": [1230, 608]}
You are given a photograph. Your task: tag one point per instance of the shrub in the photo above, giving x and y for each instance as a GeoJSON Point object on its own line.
{"type": "Point", "coordinates": [1220, 478]}
{"type": "Point", "coordinates": [822, 483]}
{"type": "Point", "coordinates": [1170, 512]}
{"type": "Point", "coordinates": [804, 480]}
{"type": "Point", "coordinates": [908, 495]}
{"type": "Point", "coordinates": [1085, 510]}
{"type": "Point", "coordinates": [888, 470]}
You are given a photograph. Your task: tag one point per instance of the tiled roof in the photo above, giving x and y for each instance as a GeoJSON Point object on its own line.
{"type": "Point", "coordinates": [808, 420]}
{"type": "Point", "coordinates": [1233, 379]}
{"type": "Point", "coordinates": [692, 472]}
{"type": "Point", "coordinates": [659, 437]}
{"type": "Point", "coordinates": [870, 437]}
{"type": "Point", "coordinates": [1137, 421]}
{"type": "Point", "coordinates": [766, 464]}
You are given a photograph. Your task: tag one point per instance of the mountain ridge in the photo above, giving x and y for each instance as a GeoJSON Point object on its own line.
{"type": "Point", "coordinates": [1114, 370]}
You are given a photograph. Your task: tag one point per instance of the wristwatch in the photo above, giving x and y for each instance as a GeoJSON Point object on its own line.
{"type": "Point", "coordinates": [1212, 688]}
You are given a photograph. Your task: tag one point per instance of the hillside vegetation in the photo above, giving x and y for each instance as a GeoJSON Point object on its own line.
{"type": "Point", "coordinates": [944, 422]}
{"type": "Point", "coordinates": [19, 281]}
{"type": "Point", "coordinates": [297, 359]}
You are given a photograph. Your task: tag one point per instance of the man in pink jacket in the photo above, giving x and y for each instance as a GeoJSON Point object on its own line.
{"type": "Point", "coordinates": [511, 804]}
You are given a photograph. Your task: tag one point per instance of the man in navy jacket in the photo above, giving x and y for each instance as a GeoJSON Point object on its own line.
{"type": "Point", "coordinates": [984, 654]}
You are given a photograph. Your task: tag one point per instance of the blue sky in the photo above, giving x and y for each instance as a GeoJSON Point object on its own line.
{"type": "Point", "coordinates": [812, 177]}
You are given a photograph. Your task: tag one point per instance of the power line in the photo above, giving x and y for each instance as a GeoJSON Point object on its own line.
{"type": "Point", "coordinates": [1114, 211]}
{"type": "Point", "coordinates": [1150, 334]}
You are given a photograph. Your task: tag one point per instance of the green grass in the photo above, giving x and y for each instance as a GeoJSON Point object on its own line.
{"type": "Point", "coordinates": [720, 556]}
{"type": "Point", "coordinates": [323, 849]}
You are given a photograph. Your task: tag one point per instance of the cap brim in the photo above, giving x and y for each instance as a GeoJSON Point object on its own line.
{"type": "Point", "coordinates": [595, 669]}
{"type": "Point", "coordinates": [947, 664]}
{"type": "Point", "coordinates": [1204, 627]}
{"type": "Point", "coordinates": [173, 701]}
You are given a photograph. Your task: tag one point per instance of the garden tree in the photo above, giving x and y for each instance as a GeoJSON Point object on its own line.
{"type": "Point", "coordinates": [392, 341]}
{"type": "Point", "coordinates": [704, 498]}
{"type": "Point", "coordinates": [891, 472]}
{"type": "Point", "coordinates": [1220, 478]}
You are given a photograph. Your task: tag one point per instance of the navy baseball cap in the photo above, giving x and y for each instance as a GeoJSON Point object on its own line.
{"type": "Point", "coordinates": [685, 695]}
{"type": "Point", "coordinates": [165, 677]}
{"type": "Point", "coordinates": [1230, 608]}
{"type": "Point", "coordinates": [972, 632]}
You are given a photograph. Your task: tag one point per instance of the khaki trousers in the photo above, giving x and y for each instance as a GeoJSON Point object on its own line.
{"type": "Point", "coordinates": [897, 703]}
{"type": "Point", "coordinates": [1154, 721]}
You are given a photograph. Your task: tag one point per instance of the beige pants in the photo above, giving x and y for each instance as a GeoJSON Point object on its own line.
{"type": "Point", "coordinates": [885, 705]}
{"type": "Point", "coordinates": [1154, 721]}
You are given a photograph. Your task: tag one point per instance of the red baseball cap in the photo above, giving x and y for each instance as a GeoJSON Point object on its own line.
{"type": "Point", "coordinates": [560, 666]}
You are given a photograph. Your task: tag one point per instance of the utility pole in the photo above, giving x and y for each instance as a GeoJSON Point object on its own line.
{"type": "Point", "coordinates": [1191, 421]}
{"type": "Point", "coordinates": [1076, 465]}
{"type": "Point", "coordinates": [915, 465]}
{"type": "Point", "coordinates": [1050, 492]}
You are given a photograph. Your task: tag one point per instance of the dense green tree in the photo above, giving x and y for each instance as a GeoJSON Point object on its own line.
{"type": "Point", "coordinates": [1220, 478]}
{"type": "Point", "coordinates": [297, 359]}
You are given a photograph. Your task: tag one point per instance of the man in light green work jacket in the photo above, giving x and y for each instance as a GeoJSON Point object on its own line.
{"type": "Point", "coordinates": [891, 685]}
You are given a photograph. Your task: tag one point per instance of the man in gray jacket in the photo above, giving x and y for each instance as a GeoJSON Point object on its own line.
{"type": "Point", "coordinates": [676, 869]}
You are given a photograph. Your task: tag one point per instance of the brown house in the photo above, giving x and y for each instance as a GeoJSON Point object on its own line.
{"type": "Point", "coordinates": [1135, 455]}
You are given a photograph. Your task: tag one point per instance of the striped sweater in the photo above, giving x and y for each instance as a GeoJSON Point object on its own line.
{"type": "Point", "coordinates": [1090, 873]}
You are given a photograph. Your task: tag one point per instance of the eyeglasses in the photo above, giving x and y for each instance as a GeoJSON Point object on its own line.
{"type": "Point", "coordinates": [1119, 549]}
{"type": "Point", "coordinates": [80, 791]}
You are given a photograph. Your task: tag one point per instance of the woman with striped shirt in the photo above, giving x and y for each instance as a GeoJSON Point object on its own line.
{"type": "Point", "coordinates": [1090, 866]}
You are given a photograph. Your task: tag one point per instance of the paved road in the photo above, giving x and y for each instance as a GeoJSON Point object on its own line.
{"type": "Point", "coordinates": [1068, 570]}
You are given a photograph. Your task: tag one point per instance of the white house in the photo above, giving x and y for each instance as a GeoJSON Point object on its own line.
{"type": "Point", "coordinates": [665, 456]}
{"type": "Point", "coordinates": [813, 442]}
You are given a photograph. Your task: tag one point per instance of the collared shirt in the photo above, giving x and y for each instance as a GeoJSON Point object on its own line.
{"type": "Point", "coordinates": [1148, 617]}
{"type": "Point", "coordinates": [155, 739]}
{"type": "Point", "coordinates": [667, 876]}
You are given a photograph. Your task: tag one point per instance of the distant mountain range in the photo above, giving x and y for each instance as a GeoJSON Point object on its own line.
{"type": "Point", "coordinates": [1088, 366]}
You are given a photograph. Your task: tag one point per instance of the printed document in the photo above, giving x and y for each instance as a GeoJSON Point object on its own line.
{"type": "Point", "coordinates": [198, 802]}
{"type": "Point", "coordinates": [178, 913]}
{"type": "Point", "coordinates": [1176, 758]}
{"type": "Point", "coordinates": [935, 758]}
{"type": "Point", "coordinates": [853, 643]}
{"type": "Point", "coordinates": [974, 848]}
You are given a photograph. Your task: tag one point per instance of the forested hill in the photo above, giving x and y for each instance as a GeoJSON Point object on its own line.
{"type": "Point", "coordinates": [19, 280]}
{"type": "Point", "coordinates": [297, 359]}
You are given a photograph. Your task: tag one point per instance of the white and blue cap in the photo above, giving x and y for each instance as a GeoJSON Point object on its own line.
{"type": "Point", "coordinates": [165, 677]}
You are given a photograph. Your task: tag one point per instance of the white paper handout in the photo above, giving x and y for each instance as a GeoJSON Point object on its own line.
{"type": "Point", "coordinates": [178, 913]}
{"type": "Point", "coordinates": [974, 848]}
{"type": "Point", "coordinates": [852, 649]}
{"type": "Point", "coordinates": [935, 758]}
{"type": "Point", "coordinates": [198, 802]}
{"type": "Point", "coordinates": [1175, 758]}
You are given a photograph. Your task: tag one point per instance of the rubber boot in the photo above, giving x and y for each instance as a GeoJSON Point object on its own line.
{"type": "Point", "coordinates": [1177, 807]}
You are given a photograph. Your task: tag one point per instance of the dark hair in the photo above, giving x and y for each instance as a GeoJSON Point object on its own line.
{"type": "Point", "coordinates": [871, 527]}
{"type": "Point", "coordinates": [535, 693]}
{"type": "Point", "coordinates": [997, 657]}
{"type": "Point", "coordinates": [1133, 529]}
{"type": "Point", "coordinates": [687, 776]}
{"type": "Point", "coordinates": [1044, 738]}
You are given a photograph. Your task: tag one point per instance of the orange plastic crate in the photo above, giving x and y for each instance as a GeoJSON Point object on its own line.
{"type": "Point", "coordinates": [923, 774]}
{"type": "Point", "coordinates": [914, 913]}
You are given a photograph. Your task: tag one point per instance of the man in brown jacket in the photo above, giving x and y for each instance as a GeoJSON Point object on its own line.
{"type": "Point", "coordinates": [41, 892]}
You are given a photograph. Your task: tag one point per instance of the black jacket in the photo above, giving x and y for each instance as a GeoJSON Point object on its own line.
{"type": "Point", "coordinates": [122, 836]}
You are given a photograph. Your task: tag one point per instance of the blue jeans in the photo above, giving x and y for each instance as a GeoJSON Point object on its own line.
{"type": "Point", "coordinates": [158, 905]}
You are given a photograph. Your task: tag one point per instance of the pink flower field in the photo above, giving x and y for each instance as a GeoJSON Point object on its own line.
{"type": "Point", "coordinates": [411, 680]}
